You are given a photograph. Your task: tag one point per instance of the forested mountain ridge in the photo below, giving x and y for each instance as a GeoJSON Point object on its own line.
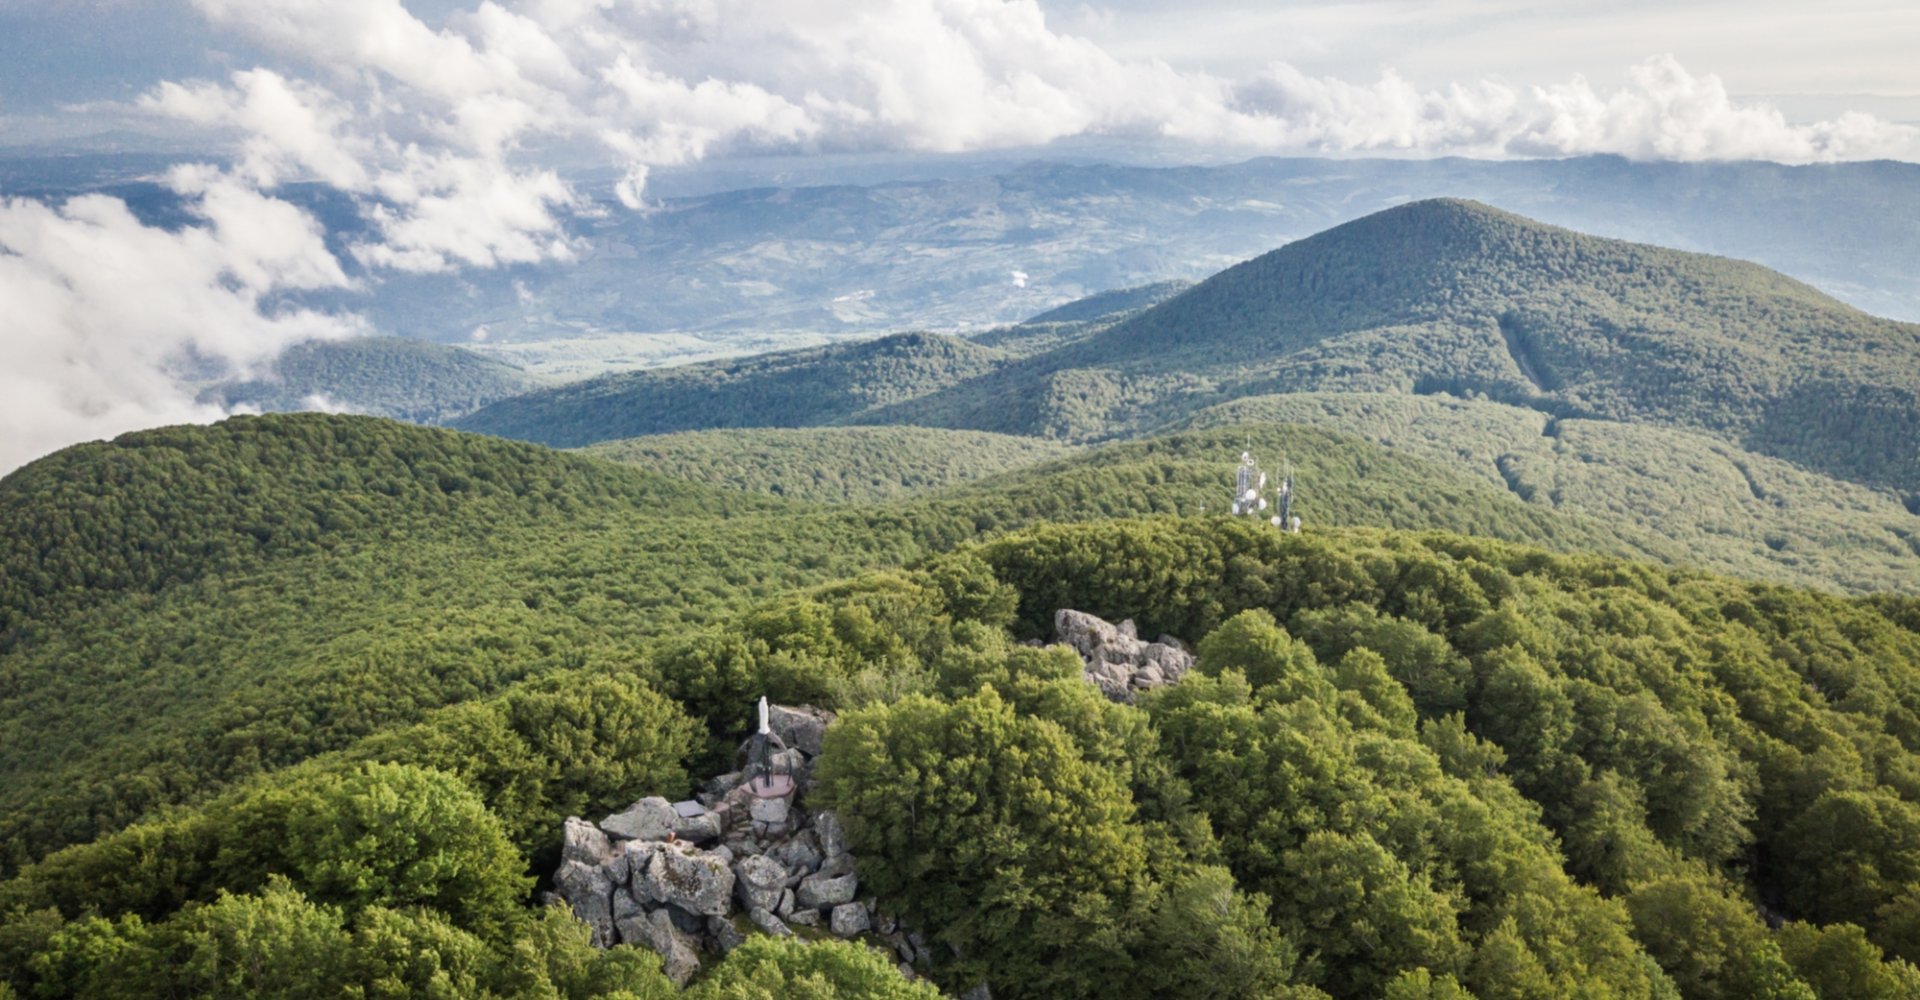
{"type": "Point", "coordinates": [397, 377]}
{"type": "Point", "coordinates": [155, 509]}
{"type": "Point", "coordinates": [1453, 296]}
{"type": "Point", "coordinates": [783, 389]}
{"type": "Point", "coordinates": [1434, 296]}
{"type": "Point", "coordinates": [1104, 304]}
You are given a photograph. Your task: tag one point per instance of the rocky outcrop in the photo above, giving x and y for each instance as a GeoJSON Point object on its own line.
{"type": "Point", "coordinates": [677, 876]}
{"type": "Point", "coordinates": [1114, 657]}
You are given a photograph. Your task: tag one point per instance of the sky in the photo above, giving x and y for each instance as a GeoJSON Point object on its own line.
{"type": "Point", "coordinates": [445, 122]}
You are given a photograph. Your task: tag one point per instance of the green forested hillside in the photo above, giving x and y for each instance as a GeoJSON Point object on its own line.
{"type": "Point", "coordinates": [296, 705]}
{"type": "Point", "coordinates": [1456, 296]}
{"type": "Point", "coordinates": [1732, 510]}
{"type": "Point", "coordinates": [1641, 386]}
{"type": "Point", "coordinates": [398, 377]}
{"type": "Point", "coordinates": [830, 464]}
{"type": "Point", "coordinates": [1120, 300]}
{"type": "Point", "coordinates": [155, 509]}
{"type": "Point", "coordinates": [785, 389]}
{"type": "Point", "coordinates": [279, 586]}
{"type": "Point", "coordinates": [189, 606]}
{"type": "Point", "coordinates": [1407, 765]}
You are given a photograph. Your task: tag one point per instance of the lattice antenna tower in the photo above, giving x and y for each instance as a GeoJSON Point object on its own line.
{"type": "Point", "coordinates": [1250, 493]}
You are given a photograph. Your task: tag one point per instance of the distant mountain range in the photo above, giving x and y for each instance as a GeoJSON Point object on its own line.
{"type": "Point", "coordinates": [971, 253]}
{"type": "Point", "coordinates": [981, 250]}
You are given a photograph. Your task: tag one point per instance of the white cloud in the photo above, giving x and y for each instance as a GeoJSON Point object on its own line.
{"type": "Point", "coordinates": [103, 313]}
{"type": "Point", "coordinates": [1665, 112]}
{"type": "Point", "coordinates": [667, 82]}
{"type": "Point", "coordinates": [293, 128]}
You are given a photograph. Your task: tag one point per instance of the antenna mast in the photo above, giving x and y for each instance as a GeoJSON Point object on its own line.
{"type": "Point", "coordinates": [1250, 492]}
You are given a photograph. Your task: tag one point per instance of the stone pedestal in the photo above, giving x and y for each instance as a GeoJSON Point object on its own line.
{"type": "Point", "coordinates": [770, 805]}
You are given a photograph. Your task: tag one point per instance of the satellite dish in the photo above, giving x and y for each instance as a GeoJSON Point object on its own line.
{"type": "Point", "coordinates": [1275, 519]}
{"type": "Point", "coordinates": [1263, 503]}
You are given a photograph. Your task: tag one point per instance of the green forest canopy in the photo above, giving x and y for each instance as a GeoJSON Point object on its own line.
{"type": "Point", "coordinates": [1407, 765]}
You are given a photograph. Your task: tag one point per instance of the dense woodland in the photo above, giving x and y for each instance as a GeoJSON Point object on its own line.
{"type": "Point", "coordinates": [1409, 765]}
{"type": "Point", "coordinates": [831, 464]}
{"type": "Point", "coordinates": [804, 388]}
{"type": "Point", "coordinates": [445, 566]}
{"type": "Point", "coordinates": [1526, 775]}
{"type": "Point", "coordinates": [1730, 509]}
{"type": "Point", "coordinates": [295, 705]}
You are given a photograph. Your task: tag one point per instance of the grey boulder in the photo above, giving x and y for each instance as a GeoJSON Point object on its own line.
{"type": "Point", "coordinates": [758, 882]}
{"type": "Point", "coordinates": [831, 835]}
{"type": "Point", "coordinates": [583, 842]}
{"type": "Point", "coordinates": [651, 818]}
{"type": "Point", "coordinates": [695, 882]}
{"type": "Point", "coordinates": [802, 727]}
{"type": "Point", "coordinates": [656, 931]}
{"type": "Point", "coordinates": [849, 919]}
{"type": "Point", "coordinates": [768, 922]}
{"type": "Point", "coordinates": [820, 890]}
{"type": "Point", "coordinates": [724, 934]}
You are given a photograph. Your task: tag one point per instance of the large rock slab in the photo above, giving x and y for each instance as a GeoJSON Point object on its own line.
{"type": "Point", "coordinates": [589, 891]}
{"type": "Point", "coordinates": [800, 727]}
{"type": "Point", "coordinates": [830, 834]}
{"type": "Point", "coordinates": [703, 828]}
{"type": "Point", "coordinates": [766, 921]}
{"type": "Point", "coordinates": [654, 818]}
{"type": "Point", "coordinates": [849, 919]}
{"type": "Point", "coordinates": [696, 882]}
{"type": "Point", "coordinates": [631, 858]}
{"type": "Point", "coordinates": [758, 882]}
{"type": "Point", "coordinates": [651, 818]}
{"type": "Point", "coordinates": [656, 931]}
{"type": "Point", "coordinates": [799, 854]}
{"type": "Point", "coordinates": [725, 935]}
{"type": "Point", "coordinates": [819, 890]}
{"type": "Point", "coordinates": [583, 842]}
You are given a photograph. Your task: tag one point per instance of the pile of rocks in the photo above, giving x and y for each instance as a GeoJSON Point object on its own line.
{"type": "Point", "coordinates": [680, 877]}
{"type": "Point", "coordinates": [1116, 660]}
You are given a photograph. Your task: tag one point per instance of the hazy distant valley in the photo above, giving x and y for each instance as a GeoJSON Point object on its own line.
{"type": "Point", "coordinates": [719, 274]}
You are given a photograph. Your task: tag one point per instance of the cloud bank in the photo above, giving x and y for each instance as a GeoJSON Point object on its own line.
{"type": "Point", "coordinates": [437, 131]}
